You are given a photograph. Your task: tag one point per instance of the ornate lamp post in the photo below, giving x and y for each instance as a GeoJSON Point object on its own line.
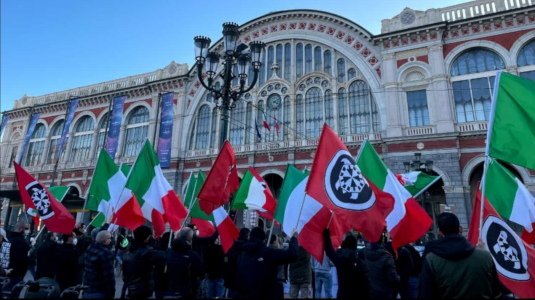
{"type": "Point", "coordinates": [234, 54]}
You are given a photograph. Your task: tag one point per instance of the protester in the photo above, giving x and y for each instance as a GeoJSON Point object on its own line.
{"type": "Point", "coordinates": [198, 244]}
{"type": "Point", "coordinates": [67, 262]}
{"type": "Point", "coordinates": [213, 264]}
{"type": "Point", "coordinates": [258, 265]}
{"type": "Point", "coordinates": [381, 269]}
{"type": "Point", "coordinates": [353, 282]}
{"type": "Point", "coordinates": [138, 264]}
{"type": "Point", "coordinates": [454, 268]}
{"type": "Point", "coordinates": [322, 277]}
{"type": "Point", "coordinates": [301, 275]}
{"type": "Point", "coordinates": [161, 282]}
{"type": "Point", "coordinates": [18, 254]}
{"type": "Point", "coordinates": [82, 244]}
{"type": "Point", "coordinates": [46, 257]}
{"type": "Point", "coordinates": [230, 262]}
{"type": "Point", "coordinates": [275, 243]}
{"type": "Point", "coordinates": [99, 274]}
{"type": "Point", "coordinates": [184, 267]}
{"type": "Point", "coordinates": [5, 246]}
{"type": "Point", "coordinates": [411, 290]}
{"type": "Point", "coordinates": [404, 267]}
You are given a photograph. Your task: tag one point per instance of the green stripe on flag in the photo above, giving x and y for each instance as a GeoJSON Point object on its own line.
{"type": "Point", "coordinates": [143, 173]}
{"type": "Point", "coordinates": [98, 221]}
{"type": "Point", "coordinates": [243, 191]}
{"type": "Point", "coordinates": [367, 161]}
{"type": "Point", "coordinates": [500, 188]}
{"type": "Point", "coordinates": [196, 211]}
{"type": "Point", "coordinates": [292, 178]}
{"type": "Point", "coordinates": [59, 192]}
{"type": "Point", "coordinates": [190, 192]}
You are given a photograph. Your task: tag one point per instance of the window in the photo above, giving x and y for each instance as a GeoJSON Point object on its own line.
{"type": "Point", "coordinates": [262, 75]}
{"type": "Point", "coordinates": [259, 122]}
{"type": "Point", "coordinates": [83, 138]}
{"type": "Point", "coordinates": [236, 79]}
{"type": "Point", "coordinates": [192, 135]}
{"type": "Point", "coordinates": [529, 75]}
{"type": "Point", "coordinates": [317, 59]}
{"type": "Point", "coordinates": [327, 62]}
{"type": "Point", "coordinates": [359, 107]}
{"type": "Point", "coordinates": [55, 138]}
{"type": "Point", "coordinates": [13, 156]}
{"type": "Point", "coordinates": [417, 103]}
{"type": "Point", "coordinates": [274, 111]}
{"type": "Point", "coordinates": [271, 58]}
{"type": "Point", "coordinates": [279, 60]}
{"type": "Point", "coordinates": [248, 127]}
{"type": "Point", "coordinates": [308, 59]}
{"type": "Point", "coordinates": [299, 61]}
{"type": "Point", "coordinates": [136, 131]}
{"type": "Point", "coordinates": [473, 99]}
{"type": "Point", "coordinates": [286, 123]}
{"type": "Point", "coordinates": [476, 61]}
{"type": "Point", "coordinates": [299, 117]}
{"type": "Point", "coordinates": [287, 61]}
{"type": "Point", "coordinates": [351, 73]}
{"type": "Point", "coordinates": [36, 146]}
{"type": "Point", "coordinates": [237, 124]}
{"type": "Point", "coordinates": [341, 66]}
{"type": "Point", "coordinates": [526, 61]}
{"type": "Point", "coordinates": [101, 133]}
{"type": "Point", "coordinates": [342, 112]}
{"type": "Point", "coordinates": [214, 128]}
{"type": "Point", "coordinates": [203, 128]}
{"type": "Point", "coordinates": [314, 112]}
{"type": "Point", "coordinates": [329, 116]}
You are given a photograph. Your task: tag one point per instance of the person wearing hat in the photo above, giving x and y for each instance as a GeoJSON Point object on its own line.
{"type": "Point", "coordinates": [258, 265]}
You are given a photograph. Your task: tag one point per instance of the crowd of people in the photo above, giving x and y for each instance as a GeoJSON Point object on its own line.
{"type": "Point", "coordinates": [256, 266]}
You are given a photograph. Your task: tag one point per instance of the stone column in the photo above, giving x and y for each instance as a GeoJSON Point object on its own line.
{"type": "Point", "coordinates": [394, 126]}
{"type": "Point", "coordinates": [440, 88]}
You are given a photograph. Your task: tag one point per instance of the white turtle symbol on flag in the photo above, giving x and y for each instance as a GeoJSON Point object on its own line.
{"type": "Point", "coordinates": [509, 253]}
{"type": "Point", "coordinates": [350, 179]}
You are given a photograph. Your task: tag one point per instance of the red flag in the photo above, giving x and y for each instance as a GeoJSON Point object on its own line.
{"type": "Point", "coordinates": [35, 195]}
{"type": "Point", "coordinates": [228, 232]}
{"type": "Point", "coordinates": [222, 181]}
{"type": "Point", "coordinates": [514, 258]}
{"type": "Point", "coordinates": [338, 184]}
{"type": "Point", "coordinates": [529, 237]}
{"type": "Point", "coordinates": [205, 227]}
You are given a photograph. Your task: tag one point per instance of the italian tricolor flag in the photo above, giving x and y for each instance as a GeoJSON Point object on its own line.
{"type": "Point", "coordinates": [107, 196]}
{"type": "Point", "coordinates": [255, 194]}
{"type": "Point", "coordinates": [408, 221]}
{"type": "Point", "coordinates": [264, 119]}
{"type": "Point", "coordinates": [416, 182]}
{"type": "Point", "coordinates": [511, 199]}
{"type": "Point", "coordinates": [159, 202]}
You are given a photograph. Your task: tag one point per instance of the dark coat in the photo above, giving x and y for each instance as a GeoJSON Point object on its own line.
{"type": "Point", "coordinates": [301, 269]}
{"type": "Point", "coordinates": [351, 271]}
{"type": "Point", "coordinates": [18, 255]}
{"type": "Point", "coordinates": [213, 261]}
{"type": "Point", "coordinates": [67, 266]}
{"type": "Point", "coordinates": [199, 243]}
{"type": "Point", "coordinates": [230, 264]}
{"type": "Point", "coordinates": [138, 267]}
{"type": "Point", "coordinates": [258, 268]}
{"type": "Point", "coordinates": [416, 260]}
{"type": "Point", "coordinates": [404, 264]}
{"type": "Point", "coordinates": [454, 268]}
{"type": "Point", "coordinates": [381, 271]}
{"type": "Point", "coordinates": [184, 269]}
{"type": "Point", "coordinates": [46, 259]}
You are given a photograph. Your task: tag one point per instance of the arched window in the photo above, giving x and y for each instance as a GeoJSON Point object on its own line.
{"type": "Point", "coordinates": [192, 135]}
{"type": "Point", "coordinates": [472, 95]}
{"type": "Point", "coordinates": [526, 61]}
{"type": "Point", "coordinates": [83, 138]}
{"type": "Point", "coordinates": [136, 131]}
{"type": "Point", "coordinates": [248, 127]}
{"type": "Point", "coordinates": [308, 59]}
{"type": "Point", "coordinates": [274, 112]}
{"type": "Point", "coordinates": [237, 124]}
{"type": "Point", "coordinates": [36, 146]}
{"type": "Point", "coordinates": [418, 113]}
{"type": "Point", "coordinates": [262, 75]}
{"type": "Point", "coordinates": [55, 137]}
{"type": "Point", "coordinates": [101, 133]}
{"type": "Point", "coordinates": [287, 61]}
{"type": "Point", "coordinates": [203, 128]}
{"type": "Point", "coordinates": [327, 67]}
{"type": "Point", "coordinates": [359, 107]}
{"type": "Point", "coordinates": [279, 60]}
{"type": "Point", "coordinates": [351, 73]}
{"type": "Point", "coordinates": [286, 124]}
{"type": "Point", "coordinates": [314, 112]}
{"type": "Point", "coordinates": [214, 128]}
{"type": "Point", "coordinates": [341, 66]}
{"type": "Point", "coordinates": [342, 112]}
{"type": "Point", "coordinates": [271, 58]}
{"type": "Point", "coordinates": [299, 60]}
{"type": "Point", "coordinates": [317, 59]}
{"type": "Point", "coordinates": [329, 115]}
{"type": "Point", "coordinates": [299, 116]}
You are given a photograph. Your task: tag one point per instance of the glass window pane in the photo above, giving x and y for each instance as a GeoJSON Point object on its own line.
{"type": "Point", "coordinates": [299, 60]}
{"type": "Point", "coordinates": [329, 114]}
{"type": "Point", "coordinates": [327, 67]}
{"type": "Point", "coordinates": [417, 105]}
{"type": "Point", "coordinates": [279, 60]}
{"type": "Point", "coordinates": [351, 73]}
{"type": "Point", "coordinates": [287, 61]}
{"type": "Point", "coordinates": [526, 57]}
{"type": "Point", "coordinates": [271, 58]}
{"type": "Point", "coordinates": [308, 59]}
{"type": "Point", "coordinates": [286, 124]}
{"type": "Point", "coordinates": [262, 75]}
{"type": "Point", "coordinates": [213, 135]}
{"type": "Point", "coordinates": [237, 124]}
{"type": "Point", "coordinates": [299, 116]}
{"type": "Point", "coordinates": [528, 75]}
{"type": "Point", "coordinates": [359, 107]}
{"type": "Point", "coordinates": [314, 112]}
{"type": "Point", "coordinates": [476, 60]}
{"type": "Point", "coordinates": [248, 126]}
{"type": "Point", "coordinates": [85, 124]}
{"type": "Point", "coordinates": [341, 66]}
{"type": "Point", "coordinates": [203, 128]}
{"type": "Point", "coordinates": [342, 112]}
{"type": "Point", "coordinates": [317, 59]}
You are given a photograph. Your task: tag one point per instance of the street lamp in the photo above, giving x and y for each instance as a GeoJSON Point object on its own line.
{"type": "Point", "coordinates": [234, 54]}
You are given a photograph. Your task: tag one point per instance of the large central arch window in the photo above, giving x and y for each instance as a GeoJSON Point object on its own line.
{"type": "Point", "coordinates": [203, 128]}
{"type": "Point", "coordinates": [36, 146]}
{"type": "Point", "coordinates": [136, 131]}
{"type": "Point", "coordinates": [237, 124]}
{"type": "Point", "coordinates": [472, 82]}
{"type": "Point", "coordinates": [83, 138]}
{"type": "Point", "coordinates": [526, 61]}
{"type": "Point", "coordinates": [313, 112]}
{"type": "Point", "coordinates": [55, 138]}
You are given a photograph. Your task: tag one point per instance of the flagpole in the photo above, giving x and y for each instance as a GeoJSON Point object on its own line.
{"type": "Point", "coordinates": [430, 184]}
{"type": "Point", "coordinates": [170, 238]}
{"type": "Point", "coordinates": [270, 232]}
{"type": "Point", "coordinates": [89, 190]}
{"type": "Point", "coordinates": [189, 211]}
{"type": "Point", "coordinates": [193, 194]}
{"type": "Point", "coordinates": [489, 135]}
{"type": "Point", "coordinates": [360, 149]}
{"type": "Point", "coordinates": [300, 211]}
{"type": "Point", "coordinates": [332, 215]}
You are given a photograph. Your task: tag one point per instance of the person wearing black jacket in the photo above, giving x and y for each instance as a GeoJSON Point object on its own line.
{"type": "Point", "coordinates": [138, 264]}
{"type": "Point", "coordinates": [258, 265]}
{"type": "Point", "coordinates": [184, 267]}
{"type": "Point", "coordinates": [404, 267]}
{"type": "Point", "coordinates": [213, 263]}
{"type": "Point", "coordinates": [353, 282]}
{"type": "Point", "coordinates": [67, 262]}
{"type": "Point", "coordinates": [381, 269]}
{"type": "Point", "coordinates": [18, 254]}
{"type": "Point", "coordinates": [411, 290]}
{"type": "Point", "coordinates": [197, 245]}
{"type": "Point", "coordinates": [46, 257]}
{"type": "Point", "coordinates": [161, 282]}
{"type": "Point", "coordinates": [230, 262]}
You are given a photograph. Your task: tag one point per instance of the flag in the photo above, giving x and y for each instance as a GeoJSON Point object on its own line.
{"type": "Point", "coordinates": [511, 132]}
{"type": "Point", "coordinates": [509, 196]}
{"type": "Point", "coordinates": [417, 182]}
{"type": "Point", "coordinates": [36, 196]}
{"type": "Point", "coordinates": [222, 181]}
{"type": "Point", "coordinates": [254, 193]}
{"type": "Point", "coordinates": [195, 210]}
{"type": "Point", "coordinates": [159, 202]}
{"type": "Point", "coordinates": [339, 185]}
{"type": "Point", "coordinates": [514, 258]}
{"type": "Point", "coordinates": [258, 135]}
{"type": "Point", "coordinates": [206, 228]}
{"type": "Point", "coordinates": [277, 126]}
{"type": "Point", "coordinates": [190, 191]}
{"type": "Point", "coordinates": [264, 120]}
{"type": "Point", "coordinates": [108, 195]}
{"type": "Point", "coordinates": [228, 231]}
{"type": "Point", "coordinates": [408, 221]}
{"type": "Point", "coordinates": [59, 192]}
{"type": "Point", "coordinates": [312, 219]}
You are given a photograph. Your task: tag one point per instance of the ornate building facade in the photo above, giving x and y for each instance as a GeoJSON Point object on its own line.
{"type": "Point", "coordinates": [423, 85]}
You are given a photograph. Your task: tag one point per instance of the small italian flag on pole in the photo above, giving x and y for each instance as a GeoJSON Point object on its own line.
{"type": "Point", "coordinates": [417, 182]}
{"type": "Point", "coordinates": [264, 119]}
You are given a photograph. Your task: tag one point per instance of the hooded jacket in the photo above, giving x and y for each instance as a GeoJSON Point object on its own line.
{"type": "Point", "coordinates": [18, 256]}
{"type": "Point", "coordinates": [230, 264]}
{"type": "Point", "coordinates": [454, 268]}
{"type": "Point", "coordinates": [138, 267]}
{"type": "Point", "coordinates": [258, 268]}
{"type": "Point", "coordinates": [46, 259]}
{"type": "Point", "coordinates": [184, 269]}
{"type": "Point", "coordinates": [301, 269]}
{"type": "Point", "coordinates": [381, 271]}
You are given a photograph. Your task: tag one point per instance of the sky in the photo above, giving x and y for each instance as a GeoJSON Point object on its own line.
{"type": "Point", "coordinates": [49, 46]}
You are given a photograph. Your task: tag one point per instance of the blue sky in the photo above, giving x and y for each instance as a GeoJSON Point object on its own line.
{"type": "Point", "coordinates": [54, 45]}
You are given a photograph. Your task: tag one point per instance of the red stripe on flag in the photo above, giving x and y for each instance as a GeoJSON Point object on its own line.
{"type": "Point", "coordinates": [413, 226]}
{"type": "Point", "coordinates": [175, 212]}
{"type": "Point", "coordinates": [129, 215]}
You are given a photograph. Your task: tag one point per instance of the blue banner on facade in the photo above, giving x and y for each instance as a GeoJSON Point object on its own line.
{"type": "Point", "coordinates": [166, 131]}
{"type": "Point", "coordinates": [4, 122]}
{"type": "Point", "coordinates": [67, 125]}
{"type": "Point", "coordinates": [29, 133]}
{"type": "Point", "coordinates": [115, 125]}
